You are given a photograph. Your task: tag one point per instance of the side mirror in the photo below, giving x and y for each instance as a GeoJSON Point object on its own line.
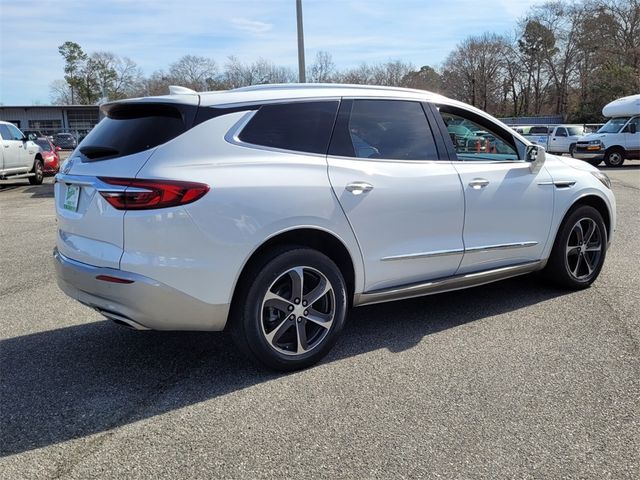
{"type": "Point", "coordinates": [632, 128]}
{"type": "Point", "coordinates": [57, 149]}
{"type": "Point", "coordinates": [536, 156]}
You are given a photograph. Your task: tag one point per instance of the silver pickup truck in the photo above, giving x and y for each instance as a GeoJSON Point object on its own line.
{"type": "Point", "coordinates": [19, 156]}
{"type": "Point", "coordinates": [556, 138]}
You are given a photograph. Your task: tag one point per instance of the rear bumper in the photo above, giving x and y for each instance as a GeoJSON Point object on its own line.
{"type": "Point", "coordinates": [143, 304]}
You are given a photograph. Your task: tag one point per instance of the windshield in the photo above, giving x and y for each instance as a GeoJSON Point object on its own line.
{"type": "Point", "coordinates": [576, 130]}
{"type": "Point", "coordinates": [614, 125]}
{"type": "Point", "coordinates": [44, 145]}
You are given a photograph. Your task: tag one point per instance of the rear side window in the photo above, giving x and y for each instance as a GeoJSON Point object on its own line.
{"type": "Point", "coordinates": [300, 126]}
{"type": "Point", "coordinates": [387, 129]}
{"type": "Point", "coordinates": [133, 128]}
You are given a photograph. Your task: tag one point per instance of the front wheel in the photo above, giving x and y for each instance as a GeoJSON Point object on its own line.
{"type": "Point", "coordinates": [292, 312]}
{"type": "Point", "coordinates": [38, 174]}
{"type": "Point", "coordinates": [579, 249]}
{"type": "Point", "coordinates": [614, 157]}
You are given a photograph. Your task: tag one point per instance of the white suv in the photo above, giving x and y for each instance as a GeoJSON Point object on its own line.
{"type": "Point", "coordinates": [270, 211]}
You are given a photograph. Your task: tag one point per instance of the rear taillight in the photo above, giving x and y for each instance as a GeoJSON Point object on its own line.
{"type": "Point", "coordinates": [143, 194]}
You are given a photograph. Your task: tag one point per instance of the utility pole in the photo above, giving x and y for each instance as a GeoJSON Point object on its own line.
{"type": "Point", "coordinates": [302, 76]}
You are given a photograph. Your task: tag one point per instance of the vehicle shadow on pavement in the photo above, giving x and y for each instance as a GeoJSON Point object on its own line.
{"type": "Point", "coordinates": [65, 384]}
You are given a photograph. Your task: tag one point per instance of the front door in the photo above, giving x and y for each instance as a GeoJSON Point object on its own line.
{"type": "Point", "coordinates": [508, 207]}
{"type": "Point", "coordinates": [405, 207]}
{"type": "Point", "coordinates": [11, 148]}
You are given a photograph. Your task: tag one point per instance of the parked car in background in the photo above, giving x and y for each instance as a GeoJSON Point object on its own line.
{"type": "Point", "coordinates": [556, 138]}
{"type": "Point", "coordinates": [51, 160]}
{"type": "Point", "coordinates": [65, 141]}
{"type": "Point", "coordinates": [307, 200]}
{"type": "Point", "coordinates": [616, 140]}
{"type": "Point", "coordinates": [19, 156]}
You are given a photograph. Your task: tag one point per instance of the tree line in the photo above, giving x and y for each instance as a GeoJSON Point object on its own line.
{"type": "Point", "coordinates": [562, 58]}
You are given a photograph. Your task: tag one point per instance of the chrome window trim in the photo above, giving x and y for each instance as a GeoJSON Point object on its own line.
{"type": "Point", "coordinates": [233, 134]}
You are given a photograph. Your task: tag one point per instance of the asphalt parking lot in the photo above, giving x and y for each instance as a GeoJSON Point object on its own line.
{"type": "Point", "coordinates": [510, 380]}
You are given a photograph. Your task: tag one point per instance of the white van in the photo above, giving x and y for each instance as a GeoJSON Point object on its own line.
{"type": "Point", "coordinates": [616, 140]}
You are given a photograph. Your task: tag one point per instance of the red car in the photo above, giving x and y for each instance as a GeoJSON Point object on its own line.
{"type": "Point", "coordinates": [50, 156]}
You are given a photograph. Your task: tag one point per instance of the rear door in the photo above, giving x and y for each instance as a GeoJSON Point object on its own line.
{"type": "Point", "coordinates": [90, 230]}
{"type": "Point", "coordinates": [405, 206]}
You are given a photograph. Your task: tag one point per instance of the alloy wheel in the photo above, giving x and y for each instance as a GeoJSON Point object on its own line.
{"type": "Point", "coordinates": [297, 311]}
{"type": "Point", "coordinates": [584, 249]}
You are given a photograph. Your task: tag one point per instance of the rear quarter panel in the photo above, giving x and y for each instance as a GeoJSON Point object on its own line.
{"type": "Point", "coordinates": [255, 194]}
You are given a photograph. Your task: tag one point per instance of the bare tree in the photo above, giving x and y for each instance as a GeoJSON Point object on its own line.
{"type": "Point", "coordinates": [473, 71]}
{"type": "Point", "coordinates": [197, 73]}
{"type": "Point", "coordinates": [60, 93]}
{"type": "Point", "coordinates": [238, 74]}
{"type": "Point", "coordinates": [322, 69]}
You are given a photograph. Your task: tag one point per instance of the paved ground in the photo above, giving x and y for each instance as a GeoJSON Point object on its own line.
{"type": "Point", "coordinates": [510, 380]}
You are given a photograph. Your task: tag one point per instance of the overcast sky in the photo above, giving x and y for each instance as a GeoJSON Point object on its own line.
{"type": "Point", "coordinates": [155, 33]}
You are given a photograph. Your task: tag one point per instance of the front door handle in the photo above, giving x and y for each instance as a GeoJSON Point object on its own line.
{"type": "Point", "coordinates": [478, 183]}
{"type": "Point", "coordinates": [359, 187]}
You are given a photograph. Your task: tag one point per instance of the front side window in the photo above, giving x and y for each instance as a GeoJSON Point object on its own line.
{"type": "Point", "coordinates": [385, 129]}
{"type": "Point", "coordinates": [476, 139]}
{"type": "Point", "coordinates": [300, 126]}
{"type": "Point", "coordinates": [5, 133]}
{"type": "Point", "coordinates": [614, 125]}
{"type": "Point", "coordinates": [561, 132]}
{"type": "Point", "coordinates": [635, 121]}
{"type": "Point", "coordinates": [15, 133]}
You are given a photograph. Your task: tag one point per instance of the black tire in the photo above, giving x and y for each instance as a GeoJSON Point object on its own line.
{"type": "Point", "coordinates": [572, 149]}
{"type": "Point", "coordinates": [575, 263]}
{"type": "Point", "coordinates": [614, 157]}
{"type": "Point", "coordinates": [253, 321]}
{"type": "Point", "coordinates": [595, 162]}
{"type": "Point", "coordinates": [38, 171]}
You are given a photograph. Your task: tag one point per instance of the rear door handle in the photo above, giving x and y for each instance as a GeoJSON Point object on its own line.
{"type": "Point", "coordinates": [478, 183]}
{"type": "Point", "coordinates": [359, 187]}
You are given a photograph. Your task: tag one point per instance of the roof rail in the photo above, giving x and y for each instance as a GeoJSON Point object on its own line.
{"type": "Point", "coordinates": [285, 86]}
{"type": "Point", "coordinates": [178, 90]}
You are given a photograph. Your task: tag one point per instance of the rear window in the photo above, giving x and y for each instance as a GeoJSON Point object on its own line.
{"type": "Point", "coordinates": [301, 127]}
{"type": "Point", "coordinates": [538, 131]}
{"type": "Point", "coordinates": [132, 128]}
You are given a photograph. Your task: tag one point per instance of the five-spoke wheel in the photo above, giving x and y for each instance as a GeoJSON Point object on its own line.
{"type": "Point", "coordinates": [579, 249]}
{"type": "Point", "coordinates": [584, 248]}
{"type": "Point", "coordinates": [298, 310]}
{"type": "Point", "coordinates": [291, 308]}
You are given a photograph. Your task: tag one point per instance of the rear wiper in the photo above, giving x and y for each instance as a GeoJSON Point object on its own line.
{"type": "Point", "coordinates": [96, 151]}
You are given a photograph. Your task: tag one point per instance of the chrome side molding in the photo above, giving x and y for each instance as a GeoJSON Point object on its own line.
{"type": "Point", "coordinates": [501, 246]}
{"type": "Point", "coordinates": [445, 284]}
{"type": "Point", "coordinates": [458, 251]}
{"type": "Point", "coordinates": [435, 253]}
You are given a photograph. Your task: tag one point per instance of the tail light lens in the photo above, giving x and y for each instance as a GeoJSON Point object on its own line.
{"type": "Point", "coordinates": [142, 194]}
